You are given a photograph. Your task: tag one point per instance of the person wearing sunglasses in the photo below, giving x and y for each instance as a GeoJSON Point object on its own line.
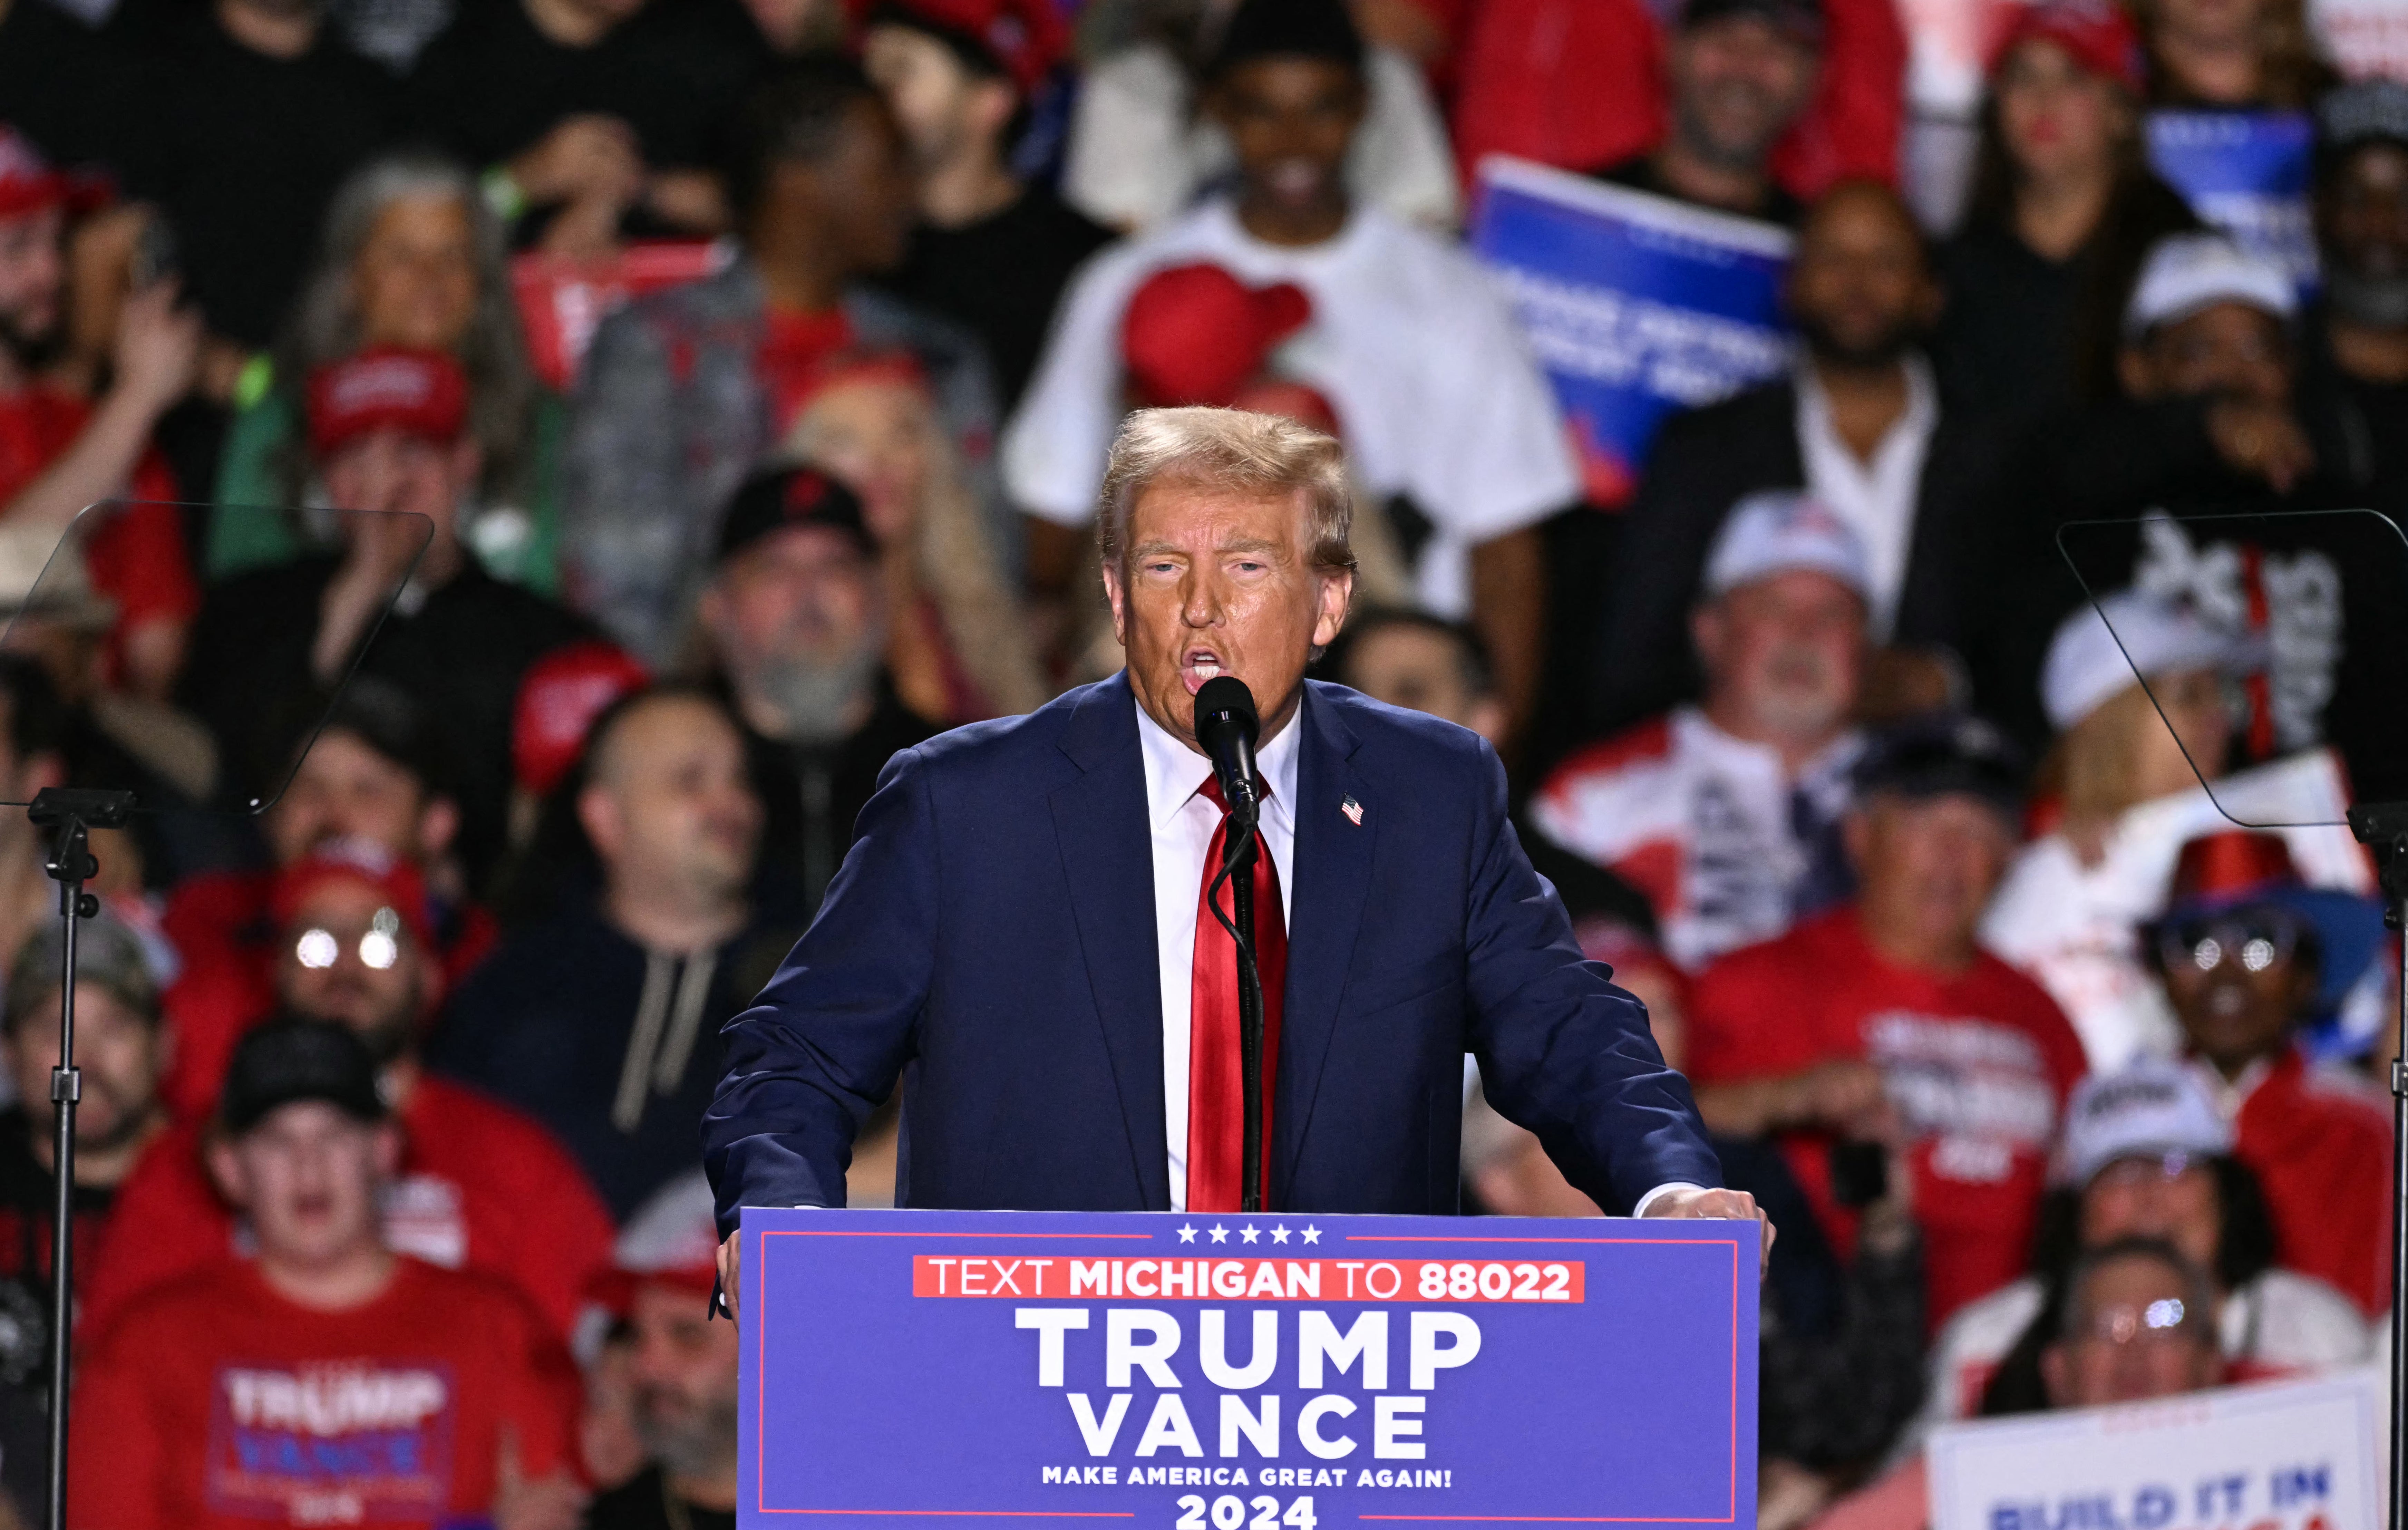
{"type": "Point", "coordinates": [479, 1184]}
{"type": "Point", "coordinates": [2249, 955]}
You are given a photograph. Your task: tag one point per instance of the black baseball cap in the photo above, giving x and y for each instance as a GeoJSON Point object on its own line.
{"type": "Point", "coordinates": [1801, 21]}
{"type": "Point", "coordinates": [1944, 755]}
{"type": "Point", "coordinates": [779, 497]}
{"type": "Point", "coordinates": [289, 1058]}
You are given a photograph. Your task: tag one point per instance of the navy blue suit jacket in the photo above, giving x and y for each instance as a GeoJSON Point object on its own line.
{"type": "Point", "coordinates": [990, 942]}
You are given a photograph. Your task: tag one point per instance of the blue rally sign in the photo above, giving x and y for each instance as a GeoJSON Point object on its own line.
{"type": "Point", "coordinates": [1267, 1371]}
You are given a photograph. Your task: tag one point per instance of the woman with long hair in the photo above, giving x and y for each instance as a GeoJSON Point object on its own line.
{"type": "Point", "coordinates": [959, 647]}
{"type": "Point", "coordinates": [412, 259]}
{"type": "Point", "coordinates": [2064, 208]}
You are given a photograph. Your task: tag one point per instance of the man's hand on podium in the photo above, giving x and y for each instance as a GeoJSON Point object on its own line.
{"type": "Point", "coordinates": [731, 1266]}
{"type": "Point", "coordinates": [1721, 1204]}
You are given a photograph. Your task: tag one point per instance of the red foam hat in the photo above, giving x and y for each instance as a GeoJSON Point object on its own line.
{"type": "Point", "coordinates": [1197, 335]}
{"type": "Point", "coordinates": [2096, 33]}
{"type": "Point", "coordinates": [1022, 38]}
{"type": "Point", "coordinates": [393, 879]}
{"type": "Point", "coordinates": [27, 182]}
{"type": "Point", "coordinates": [561, 695]}
{"type": "Point", "coordinates": [422, 393]}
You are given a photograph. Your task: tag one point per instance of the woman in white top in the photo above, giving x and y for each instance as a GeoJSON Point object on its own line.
{"type": "Point", "coordinates": [2126, 775]}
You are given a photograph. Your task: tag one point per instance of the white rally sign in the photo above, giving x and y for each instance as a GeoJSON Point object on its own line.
{"type": "Point", "coordinates": [2284, 1455]}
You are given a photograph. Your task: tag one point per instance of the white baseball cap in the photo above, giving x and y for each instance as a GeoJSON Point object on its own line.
{"type": "Point", "coordinates": [2101, 649]}
{"type": "Point", "coordinates": [2187, 272]}
{"type": "Point", "coordinates": [2151, 1108]}
{"type": "Point", "coordinates": [1775, 530]}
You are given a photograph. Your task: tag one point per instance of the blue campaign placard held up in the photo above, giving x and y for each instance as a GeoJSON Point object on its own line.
{"type": "Point", "coordinates": [1634, 305]}
{"type": "Point", "coordinates": [1271, 1370]}
{"type": "Point", "coordinates": [2245, 172]}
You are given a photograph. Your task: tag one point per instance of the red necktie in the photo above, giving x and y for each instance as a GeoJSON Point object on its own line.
{"type": "Point", "coordinates": [1216, 1092]}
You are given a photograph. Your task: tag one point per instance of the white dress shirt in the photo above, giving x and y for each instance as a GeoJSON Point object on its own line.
{"type": "Point", "coordinates": [1183, 819]}
{"type": "Point", "coordinates": [1877, 498]}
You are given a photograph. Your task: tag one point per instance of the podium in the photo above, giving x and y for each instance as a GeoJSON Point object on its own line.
{"type": "Point", "coordinates": [1266, 1370]}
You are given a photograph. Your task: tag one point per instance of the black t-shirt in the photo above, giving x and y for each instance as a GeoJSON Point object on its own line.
{"type": "Point", "coordinates": [243, 151]}
{"type": "Point", "coordinates": [643, 1503]}
{"type": "Point", "coordinates": [2360, 428]}
{"type": "Point", "coordinates": [27, 1191]}
{"type": "Point", "coordinates": [48, 64]}
{"type": "Point", "coordinates": [1641, 175]}
{"type": "Point", "coordinates": [2006, 340]}
{"type": "Point", "coordinates": [493, 83]}
{"type": "Point", "coordinates": [1001, 276]}
{"type": "Point", "coordinates": [459, 651]}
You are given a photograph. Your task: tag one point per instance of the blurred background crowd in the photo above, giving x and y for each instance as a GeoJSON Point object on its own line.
{"type": "Point", "coordinates": [754, 362]}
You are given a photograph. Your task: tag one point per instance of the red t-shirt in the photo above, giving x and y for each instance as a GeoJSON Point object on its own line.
{"type": "Point", "coordinates": [218, 1402]}
{"type": "Point", "coordinates": [138, 559]}
{"type": "Point", "coordinates": [2320, 1144]}
{"type": "Point", "coordinates": [482, 1188]}
{"type": "Point", "coordinates": [1979, 1064]}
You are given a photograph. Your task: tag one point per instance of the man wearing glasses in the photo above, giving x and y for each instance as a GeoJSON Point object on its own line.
{"type": "Point", "coordinates": [479, 1185]}
{"type": "Point", "coordinates": [2249, 952]}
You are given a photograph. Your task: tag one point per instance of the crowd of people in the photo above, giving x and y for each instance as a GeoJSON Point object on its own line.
{"type": "Point", "coordinates": [499, 712]}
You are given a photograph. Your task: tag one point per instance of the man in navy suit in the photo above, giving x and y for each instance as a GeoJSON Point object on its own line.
{"type": "Point", "coordinates": [1018, 935]}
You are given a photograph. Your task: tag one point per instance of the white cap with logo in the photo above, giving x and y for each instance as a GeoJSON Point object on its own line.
{"type": "Point", "coordinates": [1776, 530]}
{"type": "Point", "coordinates": [2151, 1108]}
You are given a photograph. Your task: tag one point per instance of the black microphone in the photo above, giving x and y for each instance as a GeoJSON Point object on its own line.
{"type": "Point", "coordinates": [1227, 725]}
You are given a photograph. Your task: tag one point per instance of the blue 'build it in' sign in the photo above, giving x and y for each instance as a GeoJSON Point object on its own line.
{"type": "Point", "coordinates": [1266, 1371]}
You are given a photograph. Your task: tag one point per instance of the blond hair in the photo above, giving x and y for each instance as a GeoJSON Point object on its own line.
{"type": "Point", "coordinates": [1265, 454]}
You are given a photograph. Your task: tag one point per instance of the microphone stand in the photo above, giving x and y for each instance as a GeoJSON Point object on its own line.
{"type": "Point", "coordinates": [70, 815]}
{"type": "Point", "coordinates": [2383, 828]}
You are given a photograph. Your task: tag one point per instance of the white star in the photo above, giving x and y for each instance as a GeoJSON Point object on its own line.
{"type": "Point", "coordinates": [1220, 1235]}
{"type": "Point", "coordinates": [1187, 1235]}
{"type": "Point", "coordinates": [1249, 1235]}
{"type": "Point", "coordinates": [1278, 1235]}
{"type": "Point", "coordinates": [1312, 1235]}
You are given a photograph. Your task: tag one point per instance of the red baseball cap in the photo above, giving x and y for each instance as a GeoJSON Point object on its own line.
{"type": "Point", "coordinates": [1020, 39]}
{"type": "Point", "coordinates": [422, 393]}
{"type": "Point", "coordinates": [561, 695]}
{"type": "Point", "coordinates": [27, 183]}
{"type": "Point", "coordinates": [2096, 33]}
{"type": "Point", "coordinates": [396, 880]}
{"type": "Point", "coordinates": [673, 1239]}
{"type": "Point", "coordinates": [1197, 335]}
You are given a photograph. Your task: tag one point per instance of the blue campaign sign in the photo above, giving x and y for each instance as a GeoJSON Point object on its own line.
{"type": "Point", "coordinates": [2246, 173]}
{"type": "Point", "coordinates": [1635, 305]}
{"type": "Point", "coordinates": [1270, 1370]}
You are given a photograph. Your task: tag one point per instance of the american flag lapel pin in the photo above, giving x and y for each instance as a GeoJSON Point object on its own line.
{"type": "Point", "coordinates": [1353, 809]}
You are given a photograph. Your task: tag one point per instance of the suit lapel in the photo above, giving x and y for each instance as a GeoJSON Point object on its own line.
{"type": "Point", "coordinates": [1106, 836]}
{"type": "Point", "coordinates": [1333, 879]}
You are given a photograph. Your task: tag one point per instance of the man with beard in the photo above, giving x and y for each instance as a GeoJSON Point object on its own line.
{"type": "Point", "coordinates": [2354, 372]}
{"type": "Point", "coordinates": [682, 1365]}
{"type": "Point", "coordinates": [1738, 73]}
{"type": "Point", "coordinates": [1857, 424]}
{"type": "Point", "coordinates": [795, 623]}
{"type": "Point", "coordinates": [1883, 1021]}
{"type": "Point", "coordinates": [480, 1186]}
{"type": "Point", "coordinates": [1726, 814]}
{"type": "Point", "coordinates": [61, 451]}
{"type": "Point", "coordinates": [122, 1048]}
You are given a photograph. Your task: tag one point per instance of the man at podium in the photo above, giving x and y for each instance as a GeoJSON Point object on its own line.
{"type": "Point", "coordinates": [1019, 934]}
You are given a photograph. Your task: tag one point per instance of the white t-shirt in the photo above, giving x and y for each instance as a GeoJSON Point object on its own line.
{"type": "Point", "coordinates": [1409, 341]}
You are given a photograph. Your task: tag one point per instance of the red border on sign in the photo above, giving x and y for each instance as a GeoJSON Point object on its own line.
{"type": "Point", "coordinates": [761, 1367]}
